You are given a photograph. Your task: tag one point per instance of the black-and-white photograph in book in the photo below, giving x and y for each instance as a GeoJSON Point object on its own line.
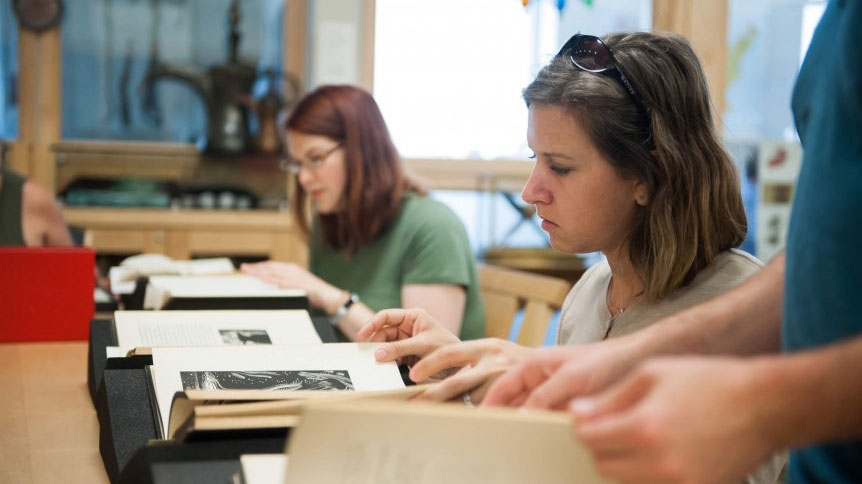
{"type": "Point", "coordinates": [280, 366]}
{"type": "Point", "coordinates": [267, 380]}
{"type": "Point", "coordinates": [245, 337]}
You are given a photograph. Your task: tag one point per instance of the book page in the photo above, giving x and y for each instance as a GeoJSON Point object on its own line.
{"type": "Point", "coordinates": [214, 328]}
{"type": "Point", "coordinates": [199, 267]}
{"type": "Point", "coordinates": [219, 286]}
{"type": "Point", "coordinates": [162, 288]}
{"type": "Point", "coordinates": [122, 279]}
{"type": "Point", "coordinates": [115, 352]}
{"type": "Point", "coordinates": [263, 468]}
{"type": "Point", "coordinates": [433, 443]}
{"type": "Point", "coordinates": [334, 366]}
{"type": "Point", "coordinates": [272, 400]}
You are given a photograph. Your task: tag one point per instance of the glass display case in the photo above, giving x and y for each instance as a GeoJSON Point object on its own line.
{"type": "Point", "coordinates": [8, 72]}
{"type": "Point", "coordinates": [173, 103]}
{"type": "Point", "coordinates": [161, 70]}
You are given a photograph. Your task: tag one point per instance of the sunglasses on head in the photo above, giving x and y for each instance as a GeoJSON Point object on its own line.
{"type": "Point", "coordinates": [590, 53]}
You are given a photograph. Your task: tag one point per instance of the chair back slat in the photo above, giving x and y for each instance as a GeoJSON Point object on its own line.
{"type": "Point", "coordinates": [505, 291]}
{"type": "Point", "coordinates": [537, 316]}
{"type": "Point", "coordinates": [500, 310]}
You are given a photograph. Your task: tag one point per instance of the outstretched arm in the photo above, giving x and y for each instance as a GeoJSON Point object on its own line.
{"type": "Point", "coordinates": [42, 218]}
{"type": "Point", "coordinates": [443, 302]}
{"type": "Point", "coordinates": [715, 419]}
{"type": "Point", "coordinates": [743, 321]}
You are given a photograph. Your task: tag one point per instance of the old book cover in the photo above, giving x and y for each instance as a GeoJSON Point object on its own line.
{"type": "Point", "coordinates": [425, 443]}
{"type": "Point", "coordinates": [207, 410]}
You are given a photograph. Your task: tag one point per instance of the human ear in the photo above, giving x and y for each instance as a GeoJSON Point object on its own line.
{"type": "Point", "coordinates": [641, 194]}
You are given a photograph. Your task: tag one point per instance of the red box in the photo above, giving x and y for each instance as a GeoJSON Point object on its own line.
{"type": "Point", "coordinates": [46, 294]}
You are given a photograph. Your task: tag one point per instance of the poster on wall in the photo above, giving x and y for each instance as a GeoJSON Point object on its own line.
{"type": "Point", "coordinates": [778, 168]}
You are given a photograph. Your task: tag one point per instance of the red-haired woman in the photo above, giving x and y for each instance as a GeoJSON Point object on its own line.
{"type": "Point", "coordinates": [376, 240]}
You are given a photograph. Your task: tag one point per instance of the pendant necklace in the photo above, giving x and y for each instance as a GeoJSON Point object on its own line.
{"type": "Point", "coordinates": [613, 309]}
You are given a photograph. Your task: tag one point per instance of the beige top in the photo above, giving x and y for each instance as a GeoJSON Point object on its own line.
{"type": "Point", "coordinates": [585, 318]}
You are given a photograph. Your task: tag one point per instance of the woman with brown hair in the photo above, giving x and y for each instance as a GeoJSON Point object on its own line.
{"type": "Point", "coordinates": [376, 240]}
{"type": "Point", "coordinates": [628, 163]}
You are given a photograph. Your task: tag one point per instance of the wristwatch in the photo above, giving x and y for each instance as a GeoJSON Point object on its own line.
{"type": "Point", "coordinates": [342, 310]}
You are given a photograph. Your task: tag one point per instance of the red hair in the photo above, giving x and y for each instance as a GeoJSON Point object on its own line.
{"type": "Point", "coordinates": [376, 181]}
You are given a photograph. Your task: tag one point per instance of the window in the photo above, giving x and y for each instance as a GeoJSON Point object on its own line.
{"type": "Point", "coordinates": [448, 80]}
{"type": "Point", "coordinates": [448, 76]}
{"type": "Point", "coordinates": [8, 72]}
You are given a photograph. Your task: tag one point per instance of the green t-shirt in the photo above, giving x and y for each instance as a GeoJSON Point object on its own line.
{"type": "Point", "coordinates": [427, 244]}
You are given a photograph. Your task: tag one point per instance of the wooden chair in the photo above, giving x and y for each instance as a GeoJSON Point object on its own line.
{"type": "Point", "coordinates": [505, 291]}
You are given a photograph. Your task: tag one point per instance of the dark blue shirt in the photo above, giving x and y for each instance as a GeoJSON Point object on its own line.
{"type": "Point", "coordinates": [823, 281]}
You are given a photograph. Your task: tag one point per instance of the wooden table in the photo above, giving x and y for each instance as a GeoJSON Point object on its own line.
{"type": "Point", "coordinates": [48, 427]}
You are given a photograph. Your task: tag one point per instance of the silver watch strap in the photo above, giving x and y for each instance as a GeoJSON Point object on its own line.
{"type": "Point", "coordinates": [340, 311]}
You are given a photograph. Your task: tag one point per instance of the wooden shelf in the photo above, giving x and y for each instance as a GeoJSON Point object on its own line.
{"type": "Point", "coordinates": [110, 160]}
{"type": "Point", "coordinates": [179, 163]}
{"type": "Point", "coordinates": [182, 234]}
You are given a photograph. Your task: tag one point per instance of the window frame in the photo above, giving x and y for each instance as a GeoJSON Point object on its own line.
{"type": "Point", "coordinates": [708, 37]}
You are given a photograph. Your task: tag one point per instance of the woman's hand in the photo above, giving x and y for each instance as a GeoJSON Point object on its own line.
{"type": "Point", "coordinates": [408, 333]}
{"type": "Point", "coordinates": [482, 361]}
{"type": "Point", "coordinates": [321, 294]}
{"type": "Point", "coordinates": [551, 377]}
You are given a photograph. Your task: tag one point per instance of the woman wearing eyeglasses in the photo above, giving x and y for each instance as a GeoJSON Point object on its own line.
{"type": "Point", "coordinates": [376, 241]}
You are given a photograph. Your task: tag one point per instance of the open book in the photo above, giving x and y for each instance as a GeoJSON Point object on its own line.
{"type": "Point", "coordinates": [219, 292]}
{"type": "Point", "coordinates": [277, 369]}
{"type": "Point", "coordinates": [212, 328]}
{"type": "Point", "coordinates": [123, 276]}
{"type": "Point", "coordinates": [431, 443]}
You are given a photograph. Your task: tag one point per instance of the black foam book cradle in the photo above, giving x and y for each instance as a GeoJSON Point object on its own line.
{"type": "Point", "coordinates": [121, 394]}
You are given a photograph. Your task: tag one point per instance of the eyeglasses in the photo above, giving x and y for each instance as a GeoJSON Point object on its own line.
{"type": "Point", "coordinates": [294, 166]}
{"type": "Point", "coordinates": [590, 53]}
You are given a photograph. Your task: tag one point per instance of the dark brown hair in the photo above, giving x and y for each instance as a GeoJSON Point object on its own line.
{"type": "Point", "coordinates": [376, 181]}
{"type": "Point", "coordinates": [695, 207]}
